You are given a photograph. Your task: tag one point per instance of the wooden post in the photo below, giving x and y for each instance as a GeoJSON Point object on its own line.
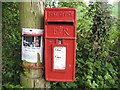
{"type": "Point", "coordinates": [31, 16]}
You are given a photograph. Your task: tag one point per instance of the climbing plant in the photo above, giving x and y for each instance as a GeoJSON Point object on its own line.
{"type": "Point", "coordinates": [97, 60]}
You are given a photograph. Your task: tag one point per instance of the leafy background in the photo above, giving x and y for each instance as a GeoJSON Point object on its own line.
{"type": "Point", "coordinates": [98, 46]}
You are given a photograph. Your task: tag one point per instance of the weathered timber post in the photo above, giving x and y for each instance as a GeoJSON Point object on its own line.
{"type": "Point", "coordinates": [31, 16]}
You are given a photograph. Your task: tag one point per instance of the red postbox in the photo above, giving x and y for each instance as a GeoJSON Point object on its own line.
{"type": "Point", "coordinates": [60, 44]}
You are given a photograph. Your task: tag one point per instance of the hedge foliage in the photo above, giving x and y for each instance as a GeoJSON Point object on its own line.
{"type": "Point", "coordinates": [98, 46]}
{"type": "Point", "coordinates": [11, 45]}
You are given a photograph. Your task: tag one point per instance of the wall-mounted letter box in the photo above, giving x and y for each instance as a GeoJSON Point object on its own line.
{"type": "Point", "coordinates": [60, 44]}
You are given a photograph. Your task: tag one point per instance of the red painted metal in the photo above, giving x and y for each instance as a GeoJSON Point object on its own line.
{"type": "Point", "coordinates": [60, 24]}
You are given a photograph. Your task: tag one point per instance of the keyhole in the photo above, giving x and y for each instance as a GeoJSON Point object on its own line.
{"type": "Point", "coordinates": [60, 41]}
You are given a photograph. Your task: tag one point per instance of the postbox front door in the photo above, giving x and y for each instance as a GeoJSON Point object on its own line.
{"type": "Point", "coordinates": [60, 44]}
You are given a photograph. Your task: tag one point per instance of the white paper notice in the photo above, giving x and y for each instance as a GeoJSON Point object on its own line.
{"type": "Point", "coordinates": [31, 31]}
{"type": "Point", "coordinates": [30, 54]}
{"type": "Point", "coordinates": [32, 46]}
{"type": "Point", "coordinates": [59, 57]}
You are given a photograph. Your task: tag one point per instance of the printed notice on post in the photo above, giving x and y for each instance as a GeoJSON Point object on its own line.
{"type": "Point", "coordinates": [31, 44]}
{"type": "Point", "coordinates": [59, 57]}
